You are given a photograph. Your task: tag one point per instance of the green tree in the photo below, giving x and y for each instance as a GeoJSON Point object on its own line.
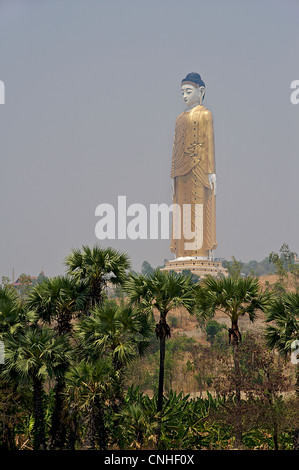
{"type": "Point", "coordinates": [57, 301]}
{"type": "Point", "coordinates": [115, 331]}
{"type": "Point", "coordinates": [98, 267]}
{"type": "Point", "coordinates": [90, 389]}
{"type": "Point", "coordinates": [136, 425]}
{"type": "Point", "coordinates": [146, 269]}
{"type": "Point", "coordinates": [282, 332]}
{"type": "Point", "coordinates": [234, 268]}
{"type": "Point", "coordinates": [13, 316]}
{"type": "Point", "coordinates": [258, 268]}
{"type": "Point", "coordinates": [235, 297]}
{"type": "Point", "coordinates": [30, 357]}
{"type": "Point", "coordinates": [162, 291]}
{"type": "Point", "coordinates": [6, 281]}
{"type": "Point", "coordinates": [284, 263]}
{"type": "Point", "coordinates": [187, 272]}
{"type": "Point", "coordinates": [212, 329]}
{"type": "Point", "coordinates": [25, 284]}
{"type": "Point", "coordinates": [13, 319]}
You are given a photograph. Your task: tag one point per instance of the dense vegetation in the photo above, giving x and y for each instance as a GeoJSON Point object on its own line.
{"type": "Point", "coordinates": [99, 359]}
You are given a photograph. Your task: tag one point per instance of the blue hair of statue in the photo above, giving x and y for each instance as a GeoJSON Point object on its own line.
{"type": "Point", "coordinates": [194, 78]}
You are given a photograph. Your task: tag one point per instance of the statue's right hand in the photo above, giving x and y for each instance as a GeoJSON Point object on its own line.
{"type": "Point", "coordinates": [212, 181]}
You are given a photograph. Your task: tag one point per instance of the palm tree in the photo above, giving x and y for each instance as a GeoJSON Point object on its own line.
{"type": "Point", "coordinates": [235, 297]}
{"type": "Point", "coordinates": [164, 291]}
{"type": "Point", "coordinates": [136, 425]}
{"type": "Point", "coordinates": [90, 390]}
{"type": "Point", "coordinates": [282, 332]}
{"type": "Point", "coordinates": [116, 331]}
{"type": "Point", "coordinates": [58, 299]}
{"type": "Point", "coordinates": [13, 316]}
{"type": "Point", "coordinates": [31, 357]}
{"type": "Point", "coordinates": [283, 314]}
{"type": "Point", "coordinates": [98, 267]}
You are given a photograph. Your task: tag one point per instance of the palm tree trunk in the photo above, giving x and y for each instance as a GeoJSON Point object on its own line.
{"type": "Point", "coordinates": [275, 435]}
{"type": "Point", "coordinates": [73, 430]}
{"type": "Point", "coordinates": [64, 323]}
{"type": "Point", "coordinates": [234, 339]}
{"type": "Point", "coordinates": [160, 389]}
{"type": "Point", "coordinates": [8, 441]}
{"type": "Point", "coordinates": [161, 375]}
{"type": "Point", "coordinates": [102, 435]}
{"type": "Point", "coordinates": [162, 332]}
{"type": "Point", "coordinates": [90, 439]}
{"type": "Point", "coordinates": [96, 293]}
{"type": "Point", "coordinates": [96, 429]}
{"type": "Point", "coordinates": [296, 432]}
{"type": "Point", "coordinates": [58, 429]}
{"type": "Point", "coordinates": [39, 438]}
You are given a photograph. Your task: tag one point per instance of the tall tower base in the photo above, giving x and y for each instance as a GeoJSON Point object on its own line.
{"type": "Point", "coordinates": [200, 267]}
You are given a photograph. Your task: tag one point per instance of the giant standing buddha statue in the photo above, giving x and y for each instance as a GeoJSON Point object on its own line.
{"type": "Point", "coordinates": [194, 184]}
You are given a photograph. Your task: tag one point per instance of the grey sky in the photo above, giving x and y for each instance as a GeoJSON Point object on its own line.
{"type": "Point", "coordinates": [92, 94]}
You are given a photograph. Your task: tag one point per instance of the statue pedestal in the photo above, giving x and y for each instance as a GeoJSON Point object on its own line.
{"type": "Point", "coordinates": [200, 267]}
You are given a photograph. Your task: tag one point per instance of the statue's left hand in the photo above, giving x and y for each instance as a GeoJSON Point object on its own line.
{"type": "Point", "coordinates": [213, 183]}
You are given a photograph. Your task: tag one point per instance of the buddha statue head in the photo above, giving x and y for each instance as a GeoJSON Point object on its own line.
{"type": "Point", "coordinates": [193, 90]}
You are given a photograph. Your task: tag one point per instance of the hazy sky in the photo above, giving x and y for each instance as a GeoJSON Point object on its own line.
{"type": "Point", "coordinates": [92, 91]}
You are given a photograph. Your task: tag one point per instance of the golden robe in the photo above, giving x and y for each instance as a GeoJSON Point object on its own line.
{"type": "Point", "coordinates": [193, 160]}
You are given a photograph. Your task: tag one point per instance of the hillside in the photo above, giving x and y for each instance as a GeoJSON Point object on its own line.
{"type": "Point", "coordinates": [188, 324]}
{"type": "Point", "coordinates": [182, 376]}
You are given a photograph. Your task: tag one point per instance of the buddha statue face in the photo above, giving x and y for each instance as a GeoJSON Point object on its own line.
{"type": "Point", "coordinates": [192, 95]}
